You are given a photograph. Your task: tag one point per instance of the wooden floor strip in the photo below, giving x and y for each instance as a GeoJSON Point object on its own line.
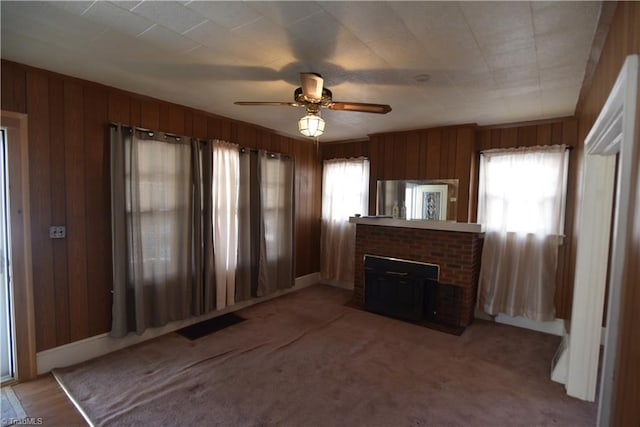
{"type": "Point", "coordinates": [72, 400]}
{"type": "Point", "coordinates": [44, 399]}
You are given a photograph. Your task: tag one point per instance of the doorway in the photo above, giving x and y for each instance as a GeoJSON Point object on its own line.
{"type": "Point", "coordinates": [18, 333]}
{"type": "Point", "coordinates": [7, 331]}
{"type": "Point", "coordinates": [605, 185]}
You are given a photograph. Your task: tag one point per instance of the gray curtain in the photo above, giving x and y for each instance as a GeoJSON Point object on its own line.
{"type": "Point", "coordinates": [247, 273]}
{"type": "Point", "coordinates": [276, 225]}
{"type": "Point", "coordinates": [164, 190]}
{"type": "Point", "coordinates": [208, 273]}
{"type": "Point", "coordinates": [265, 233]}
{"type": "Point", "coordinates": [153, 221]}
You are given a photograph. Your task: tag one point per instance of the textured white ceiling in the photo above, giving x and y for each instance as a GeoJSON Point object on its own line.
{"type": "Point", "coordinates": [488, 62]}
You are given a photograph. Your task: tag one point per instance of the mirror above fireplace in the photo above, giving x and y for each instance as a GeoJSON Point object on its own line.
{"type": "Point", "coordinates": [429, 200]}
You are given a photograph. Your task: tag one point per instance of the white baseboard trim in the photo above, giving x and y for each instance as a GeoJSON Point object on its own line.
{"type": "Point", "coordinates": [553, 327]}
{"type": "Point", "coordinates": [560, 361]}
{"type": "Point", "coordinates": [99, 345]}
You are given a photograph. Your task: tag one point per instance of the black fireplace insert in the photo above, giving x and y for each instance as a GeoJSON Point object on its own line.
{"type": "Point", "coordinates": [409, 290]}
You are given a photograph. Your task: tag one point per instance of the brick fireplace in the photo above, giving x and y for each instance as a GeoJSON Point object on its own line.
{"type": "Point", "coordinates": [457, 253]}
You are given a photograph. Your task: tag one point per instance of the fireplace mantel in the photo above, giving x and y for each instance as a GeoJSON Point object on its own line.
{"type": "Point", "coordinates": [460, 227]}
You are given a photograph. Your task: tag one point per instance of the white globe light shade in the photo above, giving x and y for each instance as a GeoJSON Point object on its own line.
{"type": "Point", "coordinates": [311, 125]}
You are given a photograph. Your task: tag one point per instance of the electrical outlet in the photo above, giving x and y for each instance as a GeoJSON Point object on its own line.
{"type": "Point", "coordinates": [57, 232]}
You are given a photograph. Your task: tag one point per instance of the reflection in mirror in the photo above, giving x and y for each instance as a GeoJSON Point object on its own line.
{"type": "Point", "coordinates": [434, 199]}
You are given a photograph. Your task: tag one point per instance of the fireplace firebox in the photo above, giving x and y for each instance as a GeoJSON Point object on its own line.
{"type": "Point", "coordinates": [409, 290]}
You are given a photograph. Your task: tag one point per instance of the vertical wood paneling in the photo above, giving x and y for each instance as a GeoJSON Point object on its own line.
{"type": "Point", "coordinates": [339, 151]}
{"type": "Point", "coordinates": [40, 200]}
{"type": "Point", "coordinates": [274, 141]}
{"type": "Point", "coordinates": [222, 129]}
{"type": "Point", "coordinates": [58, 206]}
{"type": "Point", "coordinates": [97, 208]}
{"type": "Point", "coordinates": [453, 152]}
{"type": "Point", "coordinates": [437, 153]}
{"type": "Point", "coordinates": [444, 155]}
{"type": "Point", "coordinates": [70, 185]}
{"type": "Point", "coordinates": [264, 140]}
{"type": "Point", "coordinates": [188, 123]}
{"type": "Point", "coordinates": [412, 164]}
{"type": "Point", "coordinates": [344, 150]}
{"type": "Point", "coordinates": [569, 132]}
{"type": "Point", "coordinates": [399, 148]}
{"type": "Point", "coordinates": [150, 114]}
{"type": "Point", "coordinates": [163, 109]}
{"type": "Point", "coordinates": [387, 160]}
{"type": "Point", "coordinates": [556, 133]}
{"type": "Point", "coordinates": [199, 125]}
{"type": "Point", "coordinates": [227, 132]}
{"type": "Point", "coordinates": [136, 112]}
{"type": "Point", "coordinates": [176, 120]}
{"type": "Point", "coordinates": [247, 135]}
{"type": "Point", "coordinates": [495, 138]}
{"type": "Point", "coordinates": [284, 145]}
{"type": "Point", "coordinates": [543, 134]}
{"type": "Point", "coordinates": [483, 140]}
{"type": "Point", "coordinates": [75, 209]}
{"type": "Point", "coordinates": [14, 87]}
{"type": "Point", "coordinates": [119, 107]}
{"type": "Point", "coordinates": [374, 171]}
{"type": "Point", "coordinates": [214, 128]}
{"type": "Point", "coordinates": [464, 153]}
{"type": "Point", "coordinates": [527, 136]}
{"type": "Point", "coordinates": [509, 138]}
{"type": "Point", "coordinates": [434, 143]}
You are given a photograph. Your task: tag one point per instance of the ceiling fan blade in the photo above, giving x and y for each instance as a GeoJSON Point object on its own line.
{"type": "Point", "coordinates": [272, 104]}
{"type": "Point", "coordinates": [361, 107]}
{"type": "Point", "coordinates": [311, 84]}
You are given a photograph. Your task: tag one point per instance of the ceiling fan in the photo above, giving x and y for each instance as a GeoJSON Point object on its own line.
{"type": "Point", "coordinates": [313, 96]}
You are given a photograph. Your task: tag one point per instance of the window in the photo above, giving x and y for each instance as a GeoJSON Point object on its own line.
{"type": "Point", "coordinates": [345, 192]}
{"type": "Point", "coordinates": [521, 204]}
{"type": "Point", "coordinates": [160, 199]}
{"type": "Point", "coordinates": [190, 222]}
{"type": "Point", "coordinates": [523, 191]}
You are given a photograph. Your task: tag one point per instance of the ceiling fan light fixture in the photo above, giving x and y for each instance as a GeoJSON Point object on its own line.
{"type": "Point", "coordinates": [311, 125]}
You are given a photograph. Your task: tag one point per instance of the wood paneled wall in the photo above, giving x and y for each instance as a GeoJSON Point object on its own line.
{"type": "Point", "coordinates": [623, 39]}
{"type": "Point", "coordinates": [70, 185]}
{"type": "Point", "coordinates": [443, 153]}
{"type": "Point", "coordinates": [439, 153]}
{"type": "Point", "coordinates": [453, 152]}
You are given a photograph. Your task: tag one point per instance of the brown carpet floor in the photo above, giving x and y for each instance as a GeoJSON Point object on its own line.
{"type": "Point", "coordinates": [306, 359]}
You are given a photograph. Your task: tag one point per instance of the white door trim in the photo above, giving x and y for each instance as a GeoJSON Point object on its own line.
{"type": "Point", "coordinates": [611, 134]}
{"type": "Point", "coordinates": [24, 315]}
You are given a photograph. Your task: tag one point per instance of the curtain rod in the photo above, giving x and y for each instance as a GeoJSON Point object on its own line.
{"type": "Point", "coordinates": [199, 140]}
{"type": "Point", "coordinates": [566, 147]}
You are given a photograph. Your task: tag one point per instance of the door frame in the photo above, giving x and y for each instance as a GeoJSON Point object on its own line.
{"type": "Point", "coordinates": [612, 134]}
{"type": "Point", "coordinates": [20, 229]}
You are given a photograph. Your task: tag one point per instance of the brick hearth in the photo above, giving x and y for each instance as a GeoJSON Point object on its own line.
{"type": "Point", "coordinates": [457, 254]}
